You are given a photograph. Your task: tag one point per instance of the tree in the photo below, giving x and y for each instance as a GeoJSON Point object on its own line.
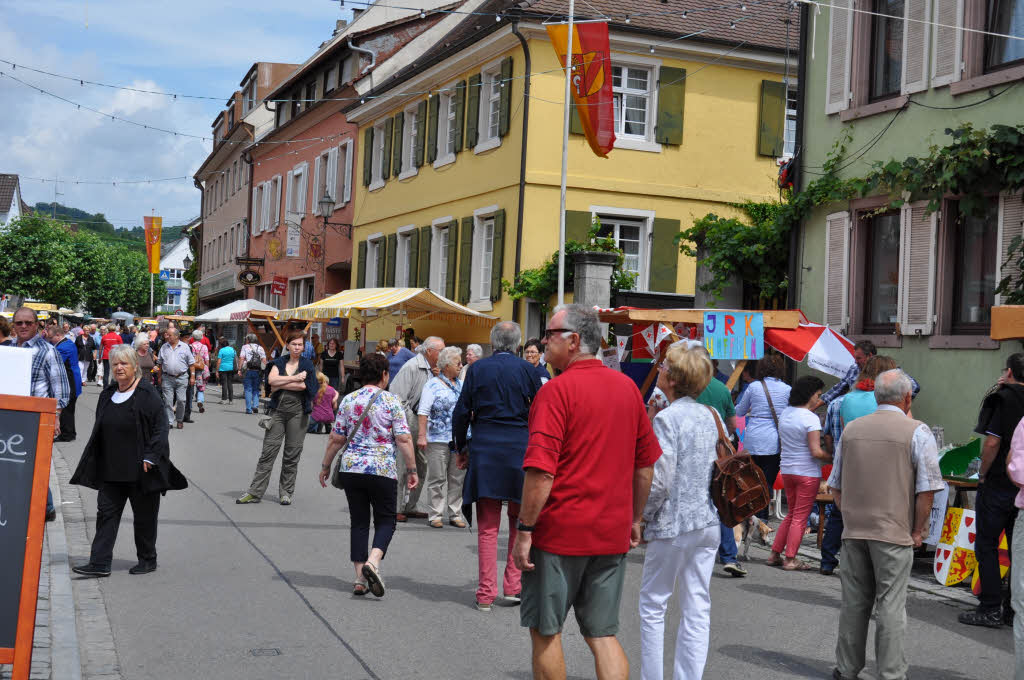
{"type": "Point", "coordinates": [38, 260]}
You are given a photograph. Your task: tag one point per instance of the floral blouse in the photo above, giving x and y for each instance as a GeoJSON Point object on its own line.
{"type": "Point", "coordinates": [372, 449]}
{"type": "Point", "coordinates": [437, 401]}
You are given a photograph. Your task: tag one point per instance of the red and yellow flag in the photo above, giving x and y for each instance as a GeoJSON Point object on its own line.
{"type": "Point", "coordinates": [591, 80]}
{"type": "Point", "coordinates": [154, 226]}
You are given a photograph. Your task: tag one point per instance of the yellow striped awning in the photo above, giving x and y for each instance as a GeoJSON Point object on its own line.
{"type": "Point", "coordinates": [370, 304]}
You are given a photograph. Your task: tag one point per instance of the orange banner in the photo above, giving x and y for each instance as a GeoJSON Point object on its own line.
{"type": "Point", "coordinates": [591, 80]}
{"type": "Point", "coordinates": [154, 227]}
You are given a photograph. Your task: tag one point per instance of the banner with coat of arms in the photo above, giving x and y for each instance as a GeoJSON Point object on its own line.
{"type": "Point", "coordinates": [591, 80]}
{"type": "Point", "coordinates": [154, 229]}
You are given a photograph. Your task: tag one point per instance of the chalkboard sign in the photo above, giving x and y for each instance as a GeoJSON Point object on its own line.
{"type": "Point", "coordinates": [26, 435]}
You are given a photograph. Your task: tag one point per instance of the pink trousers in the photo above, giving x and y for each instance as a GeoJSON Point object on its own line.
{"type": "Point", "coordinates": [800, 494]}
{"type": "Point", "coordinates": [488, 521]}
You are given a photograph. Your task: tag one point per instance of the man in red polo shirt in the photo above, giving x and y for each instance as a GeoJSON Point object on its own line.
{"type": "Point", "coordinates": [589, 464]}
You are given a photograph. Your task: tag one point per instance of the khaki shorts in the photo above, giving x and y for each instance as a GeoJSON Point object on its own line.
{"type": "Point", "coordinates": [590, 584]}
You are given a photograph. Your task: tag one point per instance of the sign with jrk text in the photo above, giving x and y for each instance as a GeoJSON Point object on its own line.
{"type": "Point", "coordinates": [734, 336]}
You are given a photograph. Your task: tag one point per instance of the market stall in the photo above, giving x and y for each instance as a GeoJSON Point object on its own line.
{"type": "Point", "coordinates": [271, 330]}
{"type": "Point", "coordinates": [230, 318]}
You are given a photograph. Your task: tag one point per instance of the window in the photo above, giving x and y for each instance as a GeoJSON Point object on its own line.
{"type": "Point", "coordinates": [234, 173]}
{"type": "Point", "coordinates": [483, 253]}
{"type": "Point", "coordinates": [447, 127]}
{"type": "Point", "coordinates": [297, 190]}
{"type": "Point", "coordinates": [493, 104]}
{"type": "Point", "coordinates": [886, 49]}
{"type": "Point", "coordinates": [402, 254]}
{"type": "Point", "coordinates": [881, 298]}
{"type": "Point", "coordinates": [628, 235]}
{"type": "Point", "coordinates": [331, 78]}
{"type": "Point", "coordinates": [323, 173]}
{"type": "Point", "coordinates": [489, 117]}
{"type": "Point", "coordinates": [974, 270]}
{"type": "Point", "coordinates": [439, 274]}
{"type": "Point", "coordinates": [377, 169]}
{"type": "Point", "coordinates": [241, 240]}
{"type": "Point", "coordinates": [372, 248]}
{"type": "Point", "coordinates": [258, 213]}
{"type": "Point", "coordinates": [296, 102]}
{"type": "Point", "coordinates": [274, 203]}
{"type": "Point", "coordinates": [231, 241]}
{"type": "Point", "coordinates": [1007, 18]}
{"type": "Point", "coordinates": [173, 297]}
{"type": "Point", "coordinates": [631, 93]}
{"type": "Point", "coordinates": [409, 133]}
{"type": "Point", "coordinates": [300, 291]}
{"type": "Point", "coordinates": [231, 117]}
{"type": "Point", "coordinates": [348, 67]}
{"type": "Point", "coordinates": [249, 95]}
{"type": "Point", "coordinates": [310, 93]}
{"type": "Point", "coordinates": [789, 133]}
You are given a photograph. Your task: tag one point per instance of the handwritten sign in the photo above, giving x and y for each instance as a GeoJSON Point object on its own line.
{"type": "Point", "coordinates": [734, 335]}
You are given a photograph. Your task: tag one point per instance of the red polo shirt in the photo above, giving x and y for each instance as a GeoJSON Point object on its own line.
{"type": "Point", "coordinates": [108, 342]}
{"type": "Point", "coordinates": [589, 428]}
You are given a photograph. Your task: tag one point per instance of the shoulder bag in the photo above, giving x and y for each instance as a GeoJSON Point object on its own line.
{"type": "Point", "coordinates": [336, 468]}
{"type": "Point", "coordinates": [738, 486]}
{"type": "Point", "coordinates": [775, 417]}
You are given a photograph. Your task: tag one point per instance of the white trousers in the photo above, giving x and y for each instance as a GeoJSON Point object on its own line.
{"type": "Point", "coordinates": [685, 562]}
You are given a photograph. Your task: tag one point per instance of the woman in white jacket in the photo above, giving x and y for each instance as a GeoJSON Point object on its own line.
{"type": "Point", "coordinates": [681, 523]}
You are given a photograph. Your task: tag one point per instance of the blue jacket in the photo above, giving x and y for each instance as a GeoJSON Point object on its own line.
{"type": "Point", "coordinates": [312, 386]}
{"type": "Point", "coordinates": [69, 353]}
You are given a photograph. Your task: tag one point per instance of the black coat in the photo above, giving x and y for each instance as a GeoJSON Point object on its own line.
{"type": "Point", "coordinates": [85, 346]}
{"type": "Point", "coordinates": [151, 426]}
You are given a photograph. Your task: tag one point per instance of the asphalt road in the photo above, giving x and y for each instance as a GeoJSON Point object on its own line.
{"type": "Point", "coordinates": [264, 591]}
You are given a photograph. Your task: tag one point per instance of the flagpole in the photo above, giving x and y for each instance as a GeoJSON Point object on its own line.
{"type": "Point", "coordinates": [565, 155]}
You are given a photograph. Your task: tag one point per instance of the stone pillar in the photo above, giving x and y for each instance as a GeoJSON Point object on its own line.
{"type": "Point", "coordinates": [732, 294]}
{"type": "Point", "coordinates": [592, 284]}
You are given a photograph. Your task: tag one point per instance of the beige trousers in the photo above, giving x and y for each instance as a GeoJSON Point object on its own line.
{"type": "Point", "coordinates": [441, 469]}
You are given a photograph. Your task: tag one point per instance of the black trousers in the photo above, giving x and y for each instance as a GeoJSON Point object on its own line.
{"type": "Point", "coordinates": [106, 372]}
{"type": "Point", "coordinates": [90, 373]}
{"type": "Point", "coordinates": [67, 416]}
{"type": "Point", "coordinates": [109, 506]}
{"type": "Point", "coordinates": [770, 467]}
{"type": "Point", "coordinates": [188, 401]}
{"type": "Point", "coordinates": [227, 386]}
{"type": "Point", "coordinates": [995, 513]}
{"type": "Point", "coordinates": [366, 493]}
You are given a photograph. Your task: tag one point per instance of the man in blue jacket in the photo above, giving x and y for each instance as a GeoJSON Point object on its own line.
{"type": "Point", "coordinates": [69, 356]}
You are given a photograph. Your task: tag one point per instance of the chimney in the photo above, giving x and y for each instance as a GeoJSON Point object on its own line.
{"type": "Point", "coordinates": [357, 12]}
{"type": "Point", "coordinates": [339, 26]}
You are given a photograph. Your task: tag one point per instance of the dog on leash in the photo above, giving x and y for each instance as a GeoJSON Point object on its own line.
{"type": "Point", "coordinates": [747, 529]}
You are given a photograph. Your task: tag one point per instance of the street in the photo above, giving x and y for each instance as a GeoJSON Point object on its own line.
{"type": "Point", "coordinates": [264, 591]}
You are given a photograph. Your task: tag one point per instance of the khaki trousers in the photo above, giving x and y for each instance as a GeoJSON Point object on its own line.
{"type": "Point", "coordinates": [874, 576]}
{"type": "Point", "coordinates": [441, 468]}
{"type": "Point", "coordinates": [287, 425]}
{"type": "Point", "coordinates": [407, 500]}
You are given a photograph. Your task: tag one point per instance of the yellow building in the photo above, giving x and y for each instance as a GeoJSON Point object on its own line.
{"type": "Point", "coordinates": [460, 152]}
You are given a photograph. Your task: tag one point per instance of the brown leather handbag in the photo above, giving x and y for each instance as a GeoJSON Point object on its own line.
{"type": "Point", "coordinates": [738, 486]}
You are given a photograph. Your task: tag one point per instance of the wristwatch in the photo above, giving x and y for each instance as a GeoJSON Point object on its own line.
{"type": "Point", "coordinates": [525, 527]}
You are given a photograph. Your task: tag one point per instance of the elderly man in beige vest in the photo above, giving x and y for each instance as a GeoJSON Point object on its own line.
{"type": "Point", "coordinates": [885, 473]}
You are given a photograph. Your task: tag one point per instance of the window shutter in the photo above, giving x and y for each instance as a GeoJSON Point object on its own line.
{"type": "Point", "coordinates": [381, 273]}
{"type": "Point", "coordinates": [460, 111]}
{"type": "Point", "coordinates": [256, 205]}
{"type": "Point", "coordinates": [505, 97]}
{"type": "Point", "coordinates": [266, 207]}
{"type": "Point", "coordinates": [837, 263]}
{"type": "Point", "coordinates": [414, 258]}
{"type": "Point", "coordinates": [303, 189]}
{"type": "Point", "coordinates": [664, 257]}
{"type": "Point", "coordinates": [497, 255]}
{"type": "Point", "coordinates": [473, 112]}
{"type": "Point", "coordinates": [316, 180]}
{"type": "Point", "coordinates": [575, 124]}
{"type": "Point", "coordinates": [287, 197]}
{"type": "Point", "coordinates": [349, 161]}
{"type": "Point", "coordinates": [1011, 226]}
{"type": "Point", "coordinates": [367, 156]}
{"type": "Point", "coordinates": [772, 121]}
{"type": "Point", "coordinates": [392, 252]}
{"type": "Point", "coordinates": [577, 225]}
{"type": "Point", "coordinates": [918, 236]}
{"type": "Point", "coordinates": [389, 127]}
{"type": "Point", "coordinates": [948, 43]}
{"type": "Point", "coordinates": [421, 133]}
{"type": "Point", "coordinates": [361, 279]}
{"type": "Point", "coordinates": [840, 37]}
{"type": "Point", "coordinates": [465, 260]}
{"type": "Point", "coordinates": [915, 46]}
{"type": "Point", "coordinates": [275, 202]}
{"type": "Point", "coordinates": [399, 137]}
{"type": "Point", "coordinates": [453, 253]}
{"type": "Point", "coordinates": [423, 270]}
{"type": "Point", "coordinates": [432, 106]}
{"type": "Point", "coordinates": [671, 95]}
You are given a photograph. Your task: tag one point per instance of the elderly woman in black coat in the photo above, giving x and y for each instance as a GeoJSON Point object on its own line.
{"type": "Point", "coordinates": [127, 459]}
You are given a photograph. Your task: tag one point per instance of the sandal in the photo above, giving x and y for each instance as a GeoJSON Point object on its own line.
{"type": "Point", "coordinates": [797, 566]}
{"type": "Point", "coordinates": [374, 579]}
{"type": "Point", "coordinates": [359, 588]}
{"type": "Point", "coordinates": [774, 562]}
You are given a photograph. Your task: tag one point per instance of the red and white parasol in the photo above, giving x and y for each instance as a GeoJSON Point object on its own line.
{"type": "Point", "coordinates": [824, 349]}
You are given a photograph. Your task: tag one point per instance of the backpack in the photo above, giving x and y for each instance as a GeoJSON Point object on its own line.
{"type": "Point", "coordinates": [254, 363]}
{"type": "Point", "coordinates": [738, 486]}
{"type": "Point", "coordinates": [200, 364]}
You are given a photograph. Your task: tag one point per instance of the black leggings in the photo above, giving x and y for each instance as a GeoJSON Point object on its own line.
{"type": "Point", "coordinates": [226, 387]}
{"type": "Point", "coordinates": [365, 493]}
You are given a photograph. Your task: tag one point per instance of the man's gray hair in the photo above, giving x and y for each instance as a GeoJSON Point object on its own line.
{"type": "Point", "coordinates": [433, 342]}
{"type": "Point", "coordinates": [197, 334]}
{"type": "Point", "coordinates": [140, 340]}
{"type": "Point", "coordinates": [583, 321]}
{"type": "Point", "coordinates": [475, 349]}
{"type": "Point", "coordinates": [174, 331]}
{"type": "Point", "coordinates": [126, 354]}
{"type": "Point", "coordinates": [506, 336]}
{"type": "Point", "coordinates": [393, 342]}
{"type": "Point", "coordinates": [448, 356]}
{"type": "Point", "coordinates": [250, 338]}
{"type": "Point", "coordinates": [892, 386]}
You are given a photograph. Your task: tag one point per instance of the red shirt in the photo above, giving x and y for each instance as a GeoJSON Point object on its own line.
{"type": "Point", "coordinates": [206, 341]}
{"type": "Point", "coordinates": [589, 428]}
{"type": "Point", "coordinates": [109, 341]}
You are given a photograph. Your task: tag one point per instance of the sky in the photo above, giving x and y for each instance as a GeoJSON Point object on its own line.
{"type": "Point", "coordinates": [196, 47]}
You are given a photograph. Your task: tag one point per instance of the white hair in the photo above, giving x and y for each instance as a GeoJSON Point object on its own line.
{"type": "Point", "coordinates": [433, 342]}
{"type": "Point", "coordinates": [584, 322]}
{"type": "Point", "coordinates": [197, 334]}
{"type": "Point", "coordinates": [140, 339]}
{"type": "Point", "coordinates": [506, 336]}
{"type": "Point", "coordinates": [475, 349]}
{"type": "Point", "coordinates": [891, 387]}
{"type": "Point", "coordinates": [448, 356]}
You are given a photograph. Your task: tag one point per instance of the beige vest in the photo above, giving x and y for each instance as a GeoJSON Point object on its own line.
{"type": "Point", "coordinates": [878, 478]}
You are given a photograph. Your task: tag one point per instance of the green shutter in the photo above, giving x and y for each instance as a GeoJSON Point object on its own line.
{"type": "Point", "coordinates": [396, 148]}
{"type": "Point", "coordinates": [361, 276]}
{"type": "Point", "coordinates": [392, 252]}
{"type": "Point", "coordinates": [671, 94]}
{"type": "Point", "coordinates": [414, 257]}
{"type": "Point", "coordinates": [577, 225]}
{"type": "Point", "coordinates": [367, 156]}
{"type": "Point", "coordinates": [465, 259]}
{"type": "Point", "coordinates": [772, 121]}
{"type": "Point", "coordinates": [380, 264]}
{"type": "Point", "coordinates": [423, 270]}
{"type": "Point", "coordinates": [664, 256]}
{"type": "Point", "coordinates": [460, 113]}
{"type": "Point", "coordinates": [473, 112]}
{"type": "Point", "coordinates": [389, 127]}
{"type": "Point", "coordinates": [432, 106]}
{"type": "Point", "coordinates": [505, 97]}
{"type": "Point", "coordinates": [421, 132]}
{"type": "Point", "coordinates": [453, 254]}
{"type": "Point", "coordinates": [575, 125]}
{"type": "Point", "coordinates": [497, 255]}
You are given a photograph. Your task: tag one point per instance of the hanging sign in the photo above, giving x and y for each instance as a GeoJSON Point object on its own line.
{"type": "Point", "coordinates": [734, 335]}
{"type": "Point", "coordinates": [249, 277]}
{"type": "Point", "coordinates": [294, 237]}
{"type": "Point", "coordinates": [279, 286]}
{"type": "Point", "coordinates": [249, 261]}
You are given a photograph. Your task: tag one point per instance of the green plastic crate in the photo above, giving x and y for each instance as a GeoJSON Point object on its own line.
{"type": "Point", "coordinates": [955, 461]}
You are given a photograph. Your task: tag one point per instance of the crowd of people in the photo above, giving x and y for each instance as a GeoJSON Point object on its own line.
{"type": "Point", "coordinates": [584, 467]}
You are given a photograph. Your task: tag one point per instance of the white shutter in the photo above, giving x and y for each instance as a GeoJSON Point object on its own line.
{"type": "Point", "coordinates": [915, 46]}
{"type": "Point", "coordinates": [1011, 226]}
{"type": "Point", "coordinates": [330, 186]}
{"type": "Point", "coordinates": [316, 181]}
{"type": "Point", "coordinates": [837, 269]}
{"type": "Point", "coordinates": [303, 190]}
{"type": "Point", "coordinates": [265, 216]}
{"type": "Point", "coordinates": [840, 43]}
{"type": "Point", "coordinates": [349, 160]}
{"type": "Point", "coordinates": [275, 201]}
{"type": "Point", "coordinates": [255, 211]}
{"type": "Point", "coordinates": [948, 43]}
{"type": "Point", "coordinates": [918, 243]}
{"type": "Point", "coordinates": [288, 197]}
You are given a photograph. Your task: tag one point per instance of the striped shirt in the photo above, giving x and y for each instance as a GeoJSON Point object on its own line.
{"type": "Point", "coordinates": [49, 379]}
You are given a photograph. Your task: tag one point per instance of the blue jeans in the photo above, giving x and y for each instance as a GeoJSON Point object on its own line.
{"type": "Point", "coordinates": [251, 383]}
{"type": "Point", "coordinates": [832, 539]}
{"type": "Point", "coordinates": [727, 547]}
{"type": "Point", "coordinates": [49, 500]}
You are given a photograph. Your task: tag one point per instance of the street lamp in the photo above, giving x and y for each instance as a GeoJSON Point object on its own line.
{"type": "Point", "coordinates": [187, 262]}
{"type": "Point", "coordinates": [326, 205]}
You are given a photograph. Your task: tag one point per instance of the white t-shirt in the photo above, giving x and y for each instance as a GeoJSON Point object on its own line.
{"type": "Point", "coordinates": [794, 426]}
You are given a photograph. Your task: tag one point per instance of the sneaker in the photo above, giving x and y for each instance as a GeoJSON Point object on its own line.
{"type": "Point", "coordinates": [91, 569]}
{"type": "Point", "coordinates": [827, 571]}
{"type": "Point", "coordinates": [979, 617]}
{"type": "Point", "coordinates": [247, 498]}
{"type": "Point", "coordinates": [513, 600]}
{"type": "Point", "coordinates": [51, 515]}
{"type": "Point", "coordinates": [735, 570]}
{"type": "Point", "coordinates": [483, 606]}
{"type": "Point", "coordinates": [143, 568]}
{"type": "Point", "coordinates": [286, 499]}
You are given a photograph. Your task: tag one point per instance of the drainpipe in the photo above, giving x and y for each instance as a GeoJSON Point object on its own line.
{"type": "Point", "coordinates": [247, 159]}
{"type": "Point", "coordinates": [522, 160]}
{"type": "Point", "coordinates": [372, 53]}
{"type": "Point", "coordinates": [795, 266]}
{"type": "Point", "coordinates": [199, 245]}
